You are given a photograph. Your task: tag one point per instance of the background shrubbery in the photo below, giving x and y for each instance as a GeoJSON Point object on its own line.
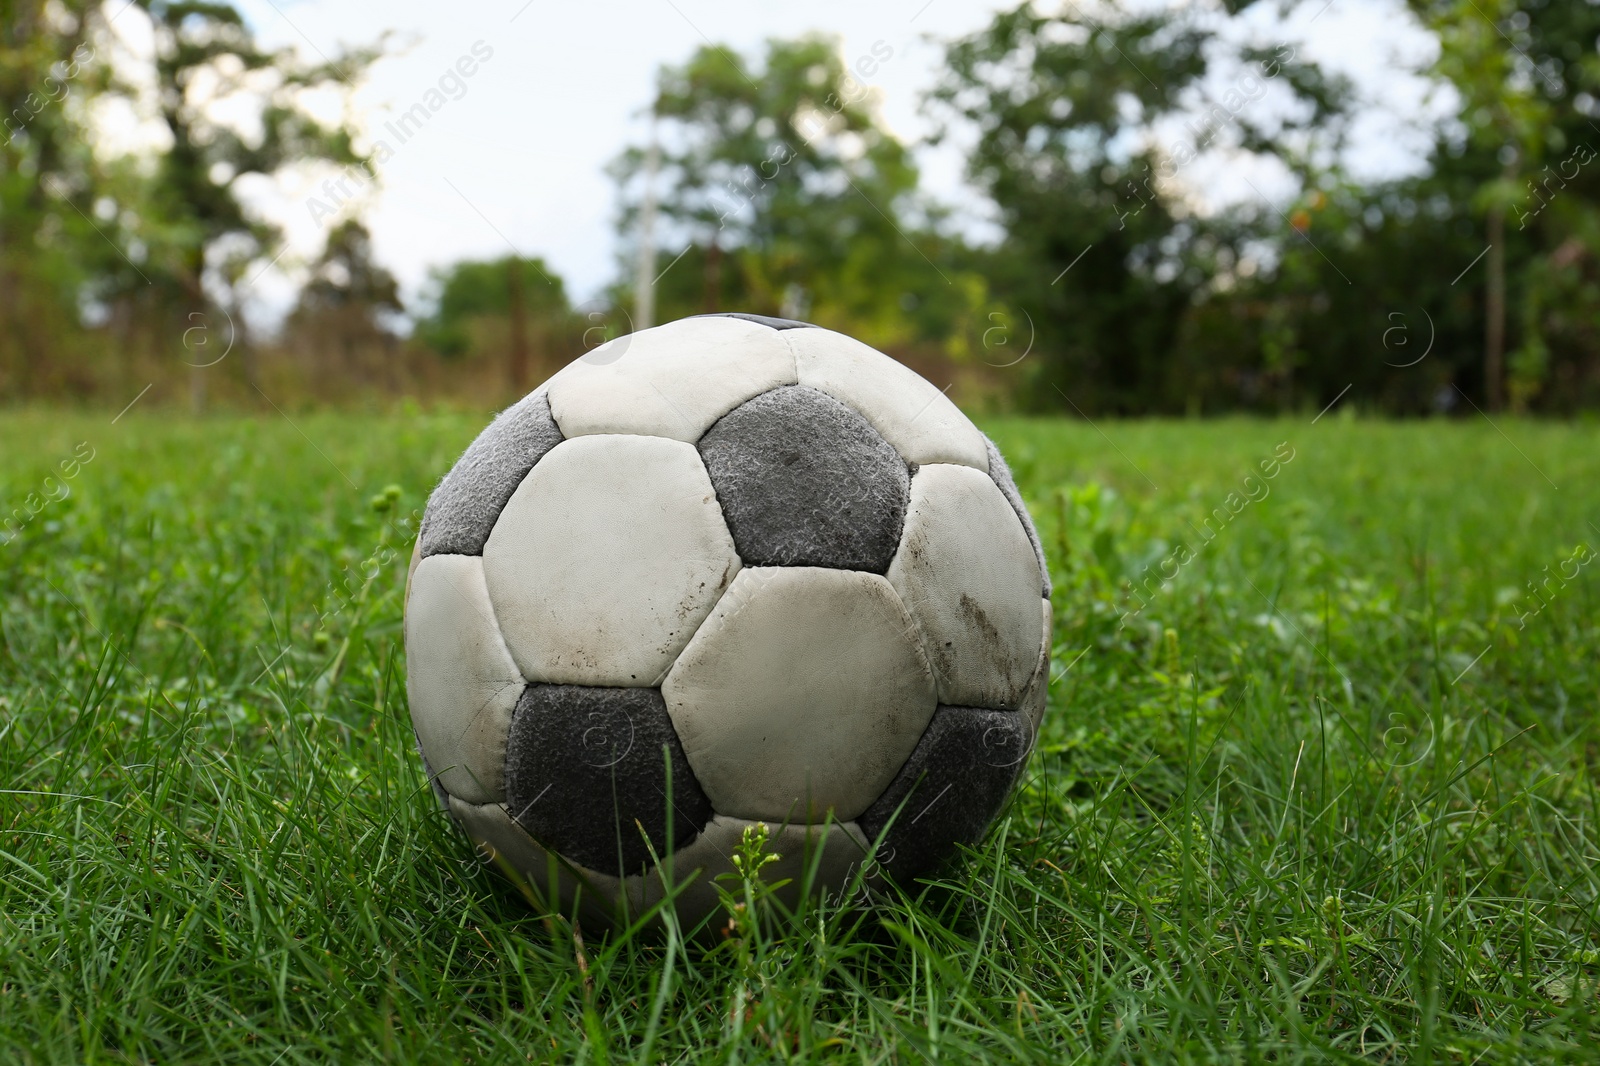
{"type": "Point", "coordinates": [781, 192]}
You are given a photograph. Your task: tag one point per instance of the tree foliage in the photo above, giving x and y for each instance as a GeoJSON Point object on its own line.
{"type": "Point", "coordinates": [205, 54]}
{"type": "Point", "coordinates": [783, 193]}
{"type": "Point", "coordinates": [1119, 280]}
{"type": "Point", "coordinates": [1104, 242]}
{"type": "Point", "coordinates": [346, 310]}
{"type": "Point", "coordinates": [1146, 304]}
{"type": "Point", "coordinates": [47, 251]}
{"type": "Point", "coordinates": [471, 292]}
{"type": "Point", "coordinates": [139, 242]}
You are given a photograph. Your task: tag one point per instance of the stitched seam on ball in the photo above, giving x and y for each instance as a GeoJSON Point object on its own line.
{"type": "Point", "coordinates": [499, 635]}
{"type": "Point", "coordinates": [794, 357]}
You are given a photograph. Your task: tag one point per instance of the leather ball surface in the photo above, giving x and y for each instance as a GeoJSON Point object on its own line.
{"type": "Point", "coordinates": [728, 570]}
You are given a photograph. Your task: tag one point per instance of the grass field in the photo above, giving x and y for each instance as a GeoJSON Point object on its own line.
{"type": "Point", "coordinates": [1328, 793]}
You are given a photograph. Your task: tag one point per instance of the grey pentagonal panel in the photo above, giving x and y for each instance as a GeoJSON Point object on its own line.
{"type": "Point", "coordinates": [761, 320]}
{"type": "Point", "coordinates": [950, 789]}
{"type": "Point", "coordinates": [461, 681]}
{"type": "Point", "coordinates": [588, 768]}
{"type": "Point", "coordinates": [1001, 473]}
{"type": "Point", "coordinates": [801, 695]}
{"type": "Point", "coordinates": [805, 481]}
{"type": "Point", "coordinates": [463, 509]}
{"type": "Point", "coordinates": [967, 574]}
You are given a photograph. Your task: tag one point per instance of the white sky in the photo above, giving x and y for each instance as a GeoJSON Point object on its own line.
{"type": "Point", "coordinates": [519, 158]}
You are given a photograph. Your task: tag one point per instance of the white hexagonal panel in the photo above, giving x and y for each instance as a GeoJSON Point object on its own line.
{"type": "Point", "coordinates": [607, 557]}
{"type": "Point", "coordinates": [460, 677]}
{"type": "Point", "coordinates": [671, 381]}
{"type": "Point", "coordinates": [918, 419]}
{"type": "Point", "coordinates": [803, 692]}
{"type": "Point", "coordinates": [967, 572]}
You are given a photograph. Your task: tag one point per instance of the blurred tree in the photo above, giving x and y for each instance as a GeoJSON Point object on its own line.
{"type": "Point", "coordinates": [787, 196]}
{"type": "Point", "coordinates": [1506, 114]}
{"type": "Point", "coordinates": [204, 53]}
{"type": "Point", "coordinates": [518, 305]}
{"type": "Point", "coordinates": [1103, 244]}
{"type": "Point", "coordinates": [1357, 298]}
{"type": "Point", "coordinates": [47, 246]}
{"type": "Point", "coordinates": [145, 240]}
{"type": "Point", "coordinates": [1529, 77]}
{"type": "Point", "coordinates": [340, 316]}
{"type": "Point", "coordinates": [1476, 275]}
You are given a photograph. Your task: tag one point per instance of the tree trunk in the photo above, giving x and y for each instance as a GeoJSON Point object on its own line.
{"type": "Point", "coordinates": [519, 327]}
{"type": "Point", "coordinates": [195, 296]}
{"type": "Point", "coordinates": [197, 390]}
{"type": "Point", "coordinates": [14, 361]}
{"type": "Point", "coordinates": [1494, 324]}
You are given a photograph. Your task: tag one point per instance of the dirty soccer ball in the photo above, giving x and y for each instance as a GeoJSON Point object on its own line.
{"type": "Point", "coordinates": [744, 562]}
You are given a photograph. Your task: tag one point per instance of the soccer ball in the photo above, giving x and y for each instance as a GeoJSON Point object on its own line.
{"type": "Point", "coordinates": [729, 570]}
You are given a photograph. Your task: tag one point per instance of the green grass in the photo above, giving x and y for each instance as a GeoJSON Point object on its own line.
{"type": "Point", "coordinates": [1287, 811]}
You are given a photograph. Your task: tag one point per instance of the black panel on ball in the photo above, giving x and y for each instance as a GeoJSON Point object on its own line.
{"type": "Point", "coordinates": [949, 790]}
{"type": "Point", "coordinates": [804, 480]}
{"type": "Point", "coordinates": [586, 767]}
{"type": "Point", "coordinates": [464, 508]}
